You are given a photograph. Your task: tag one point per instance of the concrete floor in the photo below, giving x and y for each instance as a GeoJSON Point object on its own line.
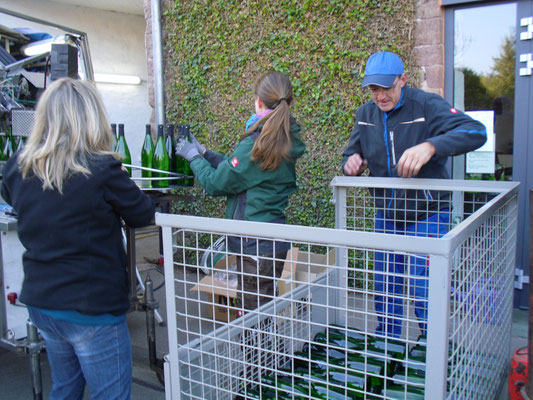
{"type": "Point", "coordinates": [15, 377]}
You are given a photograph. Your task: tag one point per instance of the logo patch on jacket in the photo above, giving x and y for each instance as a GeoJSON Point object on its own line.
{"type": "Point", "coordinates": [453, 110]}
{"type": "Point", "coordinates": [234, 162]}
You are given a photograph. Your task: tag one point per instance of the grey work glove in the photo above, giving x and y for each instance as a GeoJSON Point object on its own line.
{"type": "Point", "coordinates": [187, 150]}
{"type": "Point", "coordinates": [201, 149]}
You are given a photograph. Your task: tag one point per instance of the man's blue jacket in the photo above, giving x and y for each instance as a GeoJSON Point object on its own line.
{"type": "Point", "coordinates": [382, 137]}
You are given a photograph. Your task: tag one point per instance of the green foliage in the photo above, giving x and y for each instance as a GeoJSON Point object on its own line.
{"type": "Point", "coordinates": [501, 81]}
{"type": "Point", "coordinates": [216, 49]}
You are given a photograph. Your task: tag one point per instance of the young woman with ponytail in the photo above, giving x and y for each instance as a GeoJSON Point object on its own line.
{"type": "Point", "coordinates": [257, 179]}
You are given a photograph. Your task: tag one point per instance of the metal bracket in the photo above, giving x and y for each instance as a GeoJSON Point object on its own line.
{"type": "Point", "coordinates": [528, 59]}
{"type": "Point", "coordinates": [528, 34]}
{"type": "Point", "coordinates": [520, 278]}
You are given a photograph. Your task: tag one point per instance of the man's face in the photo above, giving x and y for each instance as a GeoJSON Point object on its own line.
{"type": "Point", "coordinates": [387, 98]}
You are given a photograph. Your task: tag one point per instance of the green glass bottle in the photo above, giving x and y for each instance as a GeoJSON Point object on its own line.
{"type": "Point", "coordinates": [122, 148]}
{"type": "Point", "coordinates": [160, 160]}
{"type": "Point", "coordinates": [185, 133]}
{"type": "Point", "coordinates": [170, 144]}
{"type": "Point", "coordinates": [147, 155]}
{"type": "Point", "coordinates": [393, 391]}
{"type": "Point", "coordinates": [115, 137]}
{"type": "Point", "coordinates": [20, 143]}
{"type": "Point", "coordinates": [351, 333]}
{"type": "Point", "coordinates": [284, 387]}
{"type": "Point", "coordinates": [9, 147]}
{"type": "Point", "coordinates": [355, 363]}
{"type": "Point", "coordinates": [2, 144]}
{"type": "Point", "coordinates": [340, 340]}
{"type": "Point", "coordinates": [254, 394]}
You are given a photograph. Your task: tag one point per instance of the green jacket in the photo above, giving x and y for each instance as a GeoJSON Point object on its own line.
{"type": "Point", "coordinates": [253, 193]}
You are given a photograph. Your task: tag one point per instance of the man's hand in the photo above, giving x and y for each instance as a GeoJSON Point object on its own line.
{"type": "Point", "coordinates": [355, 165]}
{"type": "Point", "coordinates": [414, 158]}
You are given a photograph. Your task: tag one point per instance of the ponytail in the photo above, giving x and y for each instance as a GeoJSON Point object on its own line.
{"type": "Point", "coordinates": [274, 142]}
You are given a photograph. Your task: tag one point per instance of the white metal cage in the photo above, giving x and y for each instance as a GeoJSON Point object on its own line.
{"type": "Point", "coordinates": [320, 337]}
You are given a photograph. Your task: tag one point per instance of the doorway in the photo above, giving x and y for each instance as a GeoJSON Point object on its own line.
{"type": "Point", "coordinates": [484, 42]}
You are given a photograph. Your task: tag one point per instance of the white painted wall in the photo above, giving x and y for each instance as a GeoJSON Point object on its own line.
{"type": "Point", "coordinates": [116, 43]}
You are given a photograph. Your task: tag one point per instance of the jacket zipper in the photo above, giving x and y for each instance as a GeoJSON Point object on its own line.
{"type": "Point", "coordinates": [391, 134]}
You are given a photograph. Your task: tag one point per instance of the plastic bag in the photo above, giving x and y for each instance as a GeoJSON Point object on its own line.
{"type": "Point", "coordinates": [226, 278]}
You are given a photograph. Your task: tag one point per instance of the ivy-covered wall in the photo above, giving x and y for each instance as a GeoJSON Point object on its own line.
{"type": "Point", "coordinates": [214, 51]}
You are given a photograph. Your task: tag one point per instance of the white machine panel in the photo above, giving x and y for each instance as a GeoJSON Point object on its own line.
{"type": "Point", "coordinates": [13, 316]}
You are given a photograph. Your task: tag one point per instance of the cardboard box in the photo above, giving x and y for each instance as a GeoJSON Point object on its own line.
{"type": "Point", "coordinates": [221, 298]}
{"type": "Point", "coordinates": [300, 267]}
{"type": "Point", "coordinates": [307, 268]}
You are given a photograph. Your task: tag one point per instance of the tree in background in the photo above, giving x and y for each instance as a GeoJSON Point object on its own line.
{"type": "Point", "coordinates": [501, 81]}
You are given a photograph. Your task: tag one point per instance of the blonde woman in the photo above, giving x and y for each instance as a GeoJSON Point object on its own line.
{"type": "Point", "coordinates": [70, 192]}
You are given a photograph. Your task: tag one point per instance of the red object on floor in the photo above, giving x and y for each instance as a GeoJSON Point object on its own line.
{"type": "Point", "coordinates": [518, 373]}
{"type": "Point", "coordinates": [161, 262]}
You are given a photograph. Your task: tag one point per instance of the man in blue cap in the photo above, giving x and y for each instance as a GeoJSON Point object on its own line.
{"type": "Point", "coordinates": [405, 132]}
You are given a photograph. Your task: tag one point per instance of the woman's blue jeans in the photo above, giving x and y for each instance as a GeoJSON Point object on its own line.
{"type": "Point", "coordinates": [399, 270]}
{"type": "Point", "coordinates": [99, 355]}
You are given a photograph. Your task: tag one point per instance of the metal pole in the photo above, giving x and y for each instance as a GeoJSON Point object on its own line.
{"type": "Point", "coordinates": [150, 322]}
{"type": "Point", "coordinates": [35, 360]}
{"type": "Point", "coordinates": [132, 262]}
{"type": "Point", "coordinates": [159, 77]}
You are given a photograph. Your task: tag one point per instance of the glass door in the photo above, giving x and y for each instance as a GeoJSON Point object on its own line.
{"type": "Point", "coordinates": [488, 75]}
{"type": "Point", "coordinates": [484, 83]}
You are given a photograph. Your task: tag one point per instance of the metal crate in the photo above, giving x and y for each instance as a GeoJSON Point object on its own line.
{"type": "Point", "coordinates": [468, 304]}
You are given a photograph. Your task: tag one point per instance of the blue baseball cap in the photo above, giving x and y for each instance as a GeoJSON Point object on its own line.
{"type": "Point", "coordinates": [382, 69]}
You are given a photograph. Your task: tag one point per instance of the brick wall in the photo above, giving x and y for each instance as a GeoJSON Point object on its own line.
{"type": "Point", "coordinates": [429, 45]}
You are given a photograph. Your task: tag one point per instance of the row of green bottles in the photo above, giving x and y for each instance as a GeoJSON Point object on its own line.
{"type": "Point", "coordinates": [154, 157]}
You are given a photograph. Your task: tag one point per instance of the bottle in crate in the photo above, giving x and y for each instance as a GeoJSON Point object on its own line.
{"type": "Point", "coordinates": [283, 387]}
{"type": "Point", "coordinates": [160, 160]}
{"type": "Point", "coordinates": [122, 148]}
{"type": "Point", "coordinates": [355, 364]}
{"type": "Point", "coordinates": [393, 391]}
{"type": "Point", "coordinates": [340, 340]}
{"type": "Point", "coordinates": [147, 154]}
{"type": "Point", "coordinates": [170, 144]}
{"type": "Point", "coordinates": [351, 333]}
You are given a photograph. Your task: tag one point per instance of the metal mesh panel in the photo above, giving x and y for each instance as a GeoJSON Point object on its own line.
{"type": "Point", "coordinates": [358, 310]}
{"type": "Point", "coordinates": [22, 122]}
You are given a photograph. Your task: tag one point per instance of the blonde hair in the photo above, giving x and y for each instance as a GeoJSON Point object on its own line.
{"type": "Point", "coordinates": [274, 143]}
{"type": "Point", "coordinates": [71, 124]}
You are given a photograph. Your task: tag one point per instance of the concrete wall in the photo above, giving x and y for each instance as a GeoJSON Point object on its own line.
{"type": "Point", "coordinates": [117, 46]}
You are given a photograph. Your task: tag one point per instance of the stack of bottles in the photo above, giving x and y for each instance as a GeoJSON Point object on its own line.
{"type": "Point", "coordinates": [347, 364]}
{"type": "Point", "coordinates": [160, 155]}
